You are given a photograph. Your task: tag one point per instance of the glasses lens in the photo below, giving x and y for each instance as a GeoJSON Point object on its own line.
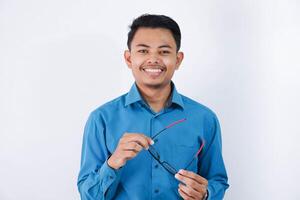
{"type": "Point", "coordinates": [166, 165]}
{"type": "Point", "coordinates": [154, 153]}
{"type": "Point", "coordinates": [169, 168]}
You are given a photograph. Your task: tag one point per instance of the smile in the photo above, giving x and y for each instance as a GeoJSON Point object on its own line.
{"type": "Point", "coordinates": [153, 72]}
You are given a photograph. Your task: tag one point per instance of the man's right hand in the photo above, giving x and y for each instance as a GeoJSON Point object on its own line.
{"type": "Point", "coordinates": [128, 147]}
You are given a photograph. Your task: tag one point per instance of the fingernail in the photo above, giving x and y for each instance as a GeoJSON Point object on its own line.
{"type": "Point", "coordinates": [176, 176]}
{"type": "Point", "coordinates": [151, 142]}
{"type": "Point", "coordinates": [180, 171]}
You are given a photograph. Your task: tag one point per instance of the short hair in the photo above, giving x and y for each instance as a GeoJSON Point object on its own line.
{"type": "Point", "coordinates": [154, 21]}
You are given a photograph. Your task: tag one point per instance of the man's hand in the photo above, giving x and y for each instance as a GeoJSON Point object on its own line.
{"type": "Point", "coordinates": [128, 147]}
{"type": "Point", "coordinates": [195, 186]}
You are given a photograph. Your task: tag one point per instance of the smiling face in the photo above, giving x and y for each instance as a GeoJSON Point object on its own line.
{"type": "Point", "coordinates": [153, 57]}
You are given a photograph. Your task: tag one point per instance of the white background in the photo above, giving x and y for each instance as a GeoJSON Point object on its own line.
{"type": "Point", "coordinates": [61, 59]}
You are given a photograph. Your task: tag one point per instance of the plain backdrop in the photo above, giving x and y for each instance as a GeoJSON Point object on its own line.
{"type": "Point", "coordinates": [61, 59]}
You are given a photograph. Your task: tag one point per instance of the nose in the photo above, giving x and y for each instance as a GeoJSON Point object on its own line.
{"type": "Point", "coordinates": [153, 59]}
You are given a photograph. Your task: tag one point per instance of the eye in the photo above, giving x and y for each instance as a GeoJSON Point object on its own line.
{"type": "Point", "coordinates": [164, 52]}
{"type": "Point", "coordinates": [143, 51]}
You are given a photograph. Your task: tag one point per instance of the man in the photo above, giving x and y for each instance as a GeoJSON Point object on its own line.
{"type": "Point", "coordinates": [152, 143]}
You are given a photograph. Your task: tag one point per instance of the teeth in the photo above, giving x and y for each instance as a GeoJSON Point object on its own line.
{"type": "Point", "coordinates": [153, 70]}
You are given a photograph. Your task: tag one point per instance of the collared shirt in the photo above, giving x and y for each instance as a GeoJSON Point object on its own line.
{"type": "Point", "coordinates": [143, 178]}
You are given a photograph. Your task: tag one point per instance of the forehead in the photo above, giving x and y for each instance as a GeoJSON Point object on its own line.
{"type": "Point", "coordinates": [153, 37]}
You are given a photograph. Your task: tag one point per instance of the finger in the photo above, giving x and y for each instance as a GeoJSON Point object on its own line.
{"type": "Point", "coordinates": [129, 154]}
{"type": "Point", "coordinates": [143, 140]}
{"type": "Point", "coordinates": [130, 135]}
{"type": "Point", "coordinates": [184, 195]}
{"type": "Point", "coordinates": [132, 146]}
{"type": "Point", "coordinates": [191, 192]}
{"type": "Point", "coordinates": [191, 183]}
{"type": "Point", "coordinates": [193, 176]}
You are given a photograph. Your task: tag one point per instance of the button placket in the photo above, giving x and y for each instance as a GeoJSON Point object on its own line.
{"type": "Point", "coordinates": [155, 166]}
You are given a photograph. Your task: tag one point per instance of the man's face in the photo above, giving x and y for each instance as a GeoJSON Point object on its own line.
{"type": "Point", "coordinates": [153, 57]}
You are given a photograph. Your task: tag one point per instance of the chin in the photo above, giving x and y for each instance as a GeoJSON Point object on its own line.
{"type": "Point", "coordinates": [155, 85]}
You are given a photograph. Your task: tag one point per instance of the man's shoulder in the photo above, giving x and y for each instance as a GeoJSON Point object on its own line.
{"type": "Point", "coordinates": [111, 106]}
{"type": "Point", "coordinates": [195, 106]}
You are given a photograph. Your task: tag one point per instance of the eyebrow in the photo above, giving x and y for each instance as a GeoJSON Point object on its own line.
{"type": "Point", "coordinates": [147, 46]}
{"type": "Point", "coordinates": [165, 46]}
{"type": "Point", "coordinates": [143, 45]}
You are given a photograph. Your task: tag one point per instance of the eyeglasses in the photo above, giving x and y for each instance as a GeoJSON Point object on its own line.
{"type": "Point", "coordinates": [165, 164]}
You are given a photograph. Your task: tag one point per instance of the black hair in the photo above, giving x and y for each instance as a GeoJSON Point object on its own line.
{"type": "Point", "coordinates": [154, 21]}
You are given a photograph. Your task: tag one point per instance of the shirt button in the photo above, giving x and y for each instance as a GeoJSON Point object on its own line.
{"type": "Point", "coordinates": [156, 166]}
{"type": "Point", "coordinates": [156, 190]}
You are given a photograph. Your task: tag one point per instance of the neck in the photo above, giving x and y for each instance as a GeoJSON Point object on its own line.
{"type": "Point", "coordinates": [156, 97]}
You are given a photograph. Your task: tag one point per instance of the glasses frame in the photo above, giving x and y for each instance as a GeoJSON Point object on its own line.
{"type": "Point", "coordinates": [164, 164]}
{"type": "Point", "coordinates": [167, 166]}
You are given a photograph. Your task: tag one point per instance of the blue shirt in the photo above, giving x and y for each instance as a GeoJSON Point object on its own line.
{"type": "Point", "coordinates": [142, 177]}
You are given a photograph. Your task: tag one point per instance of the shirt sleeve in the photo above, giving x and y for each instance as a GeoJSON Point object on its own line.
{"type": "Point", "coordinates": [211, 164]}
{"type": "Point", "coordinates": [96, 179]}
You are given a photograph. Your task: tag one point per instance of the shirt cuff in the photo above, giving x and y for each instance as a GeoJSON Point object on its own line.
{"type": "Point", "coordinates": [109, 176]}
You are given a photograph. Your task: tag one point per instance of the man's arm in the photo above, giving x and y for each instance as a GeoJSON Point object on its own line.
{"type": "Point", "coordinates": [100, 173]}
{"type": "Point", "coordinates": [211, 164]}
{"type": "Point", "coordinates": [96, 179]}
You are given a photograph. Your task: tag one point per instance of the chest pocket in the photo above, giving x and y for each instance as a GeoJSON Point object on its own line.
{"type": "Point", "coordinates": [183, 155]}
{"type": "Point", "coordinates": [179, 151]}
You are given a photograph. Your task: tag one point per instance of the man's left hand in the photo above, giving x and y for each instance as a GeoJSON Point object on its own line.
{"type": "Point", "coordinates": [194, 187]}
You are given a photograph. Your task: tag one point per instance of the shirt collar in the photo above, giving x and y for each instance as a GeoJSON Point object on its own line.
{"type": "Point", "coordinates": [134, 96]}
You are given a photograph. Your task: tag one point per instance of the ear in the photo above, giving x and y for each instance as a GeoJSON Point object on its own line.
{"type": "Point", "coordinates": [127, 57]}
{"type": "Point", "coordinates": [179, 59]}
